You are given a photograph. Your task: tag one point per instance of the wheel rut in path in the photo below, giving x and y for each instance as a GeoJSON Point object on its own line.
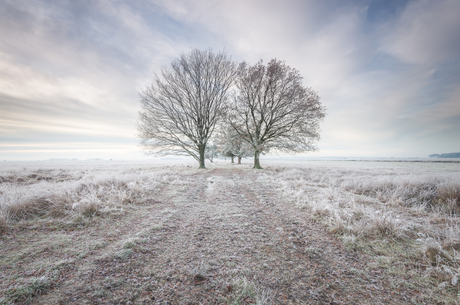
{"type": "Point", "coordinates": [237, 228]}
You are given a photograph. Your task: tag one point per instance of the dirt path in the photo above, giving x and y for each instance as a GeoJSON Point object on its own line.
{"type": "Point", "coordinates": [221, 237]}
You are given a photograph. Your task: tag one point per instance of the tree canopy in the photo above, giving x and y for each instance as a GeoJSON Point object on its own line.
{"type": "Point", "coordinates": [184, 102]}
{"type": "Point", "coordinates": [272, 109]}
{"type": "Point", "coordinates": [269, 109]}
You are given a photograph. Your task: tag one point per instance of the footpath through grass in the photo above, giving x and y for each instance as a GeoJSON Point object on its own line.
{"type": "Point", "coordinates": [227, 235]}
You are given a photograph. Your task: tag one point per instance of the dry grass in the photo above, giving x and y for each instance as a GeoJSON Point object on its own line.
{"type": "Point", "coordinates": [407, 222]}
{"type": "Point", "coordinates": [89, 195]}
{"type": "Point", "coordinates": [246, 292]}
{"type": "Point", "coordinates": [417, 213]}
{"type": "Point", "coordinates": [435, 192]}
{"type": "Point", "coordinates": [26, 291]}
{"type": "Point", "coordinates": [3, 221]}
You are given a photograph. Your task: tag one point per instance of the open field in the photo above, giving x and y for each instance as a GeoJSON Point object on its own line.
{"type": "Point", "coordinates": [164, 232]}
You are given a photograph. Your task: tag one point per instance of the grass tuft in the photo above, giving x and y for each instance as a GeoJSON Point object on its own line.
{"type": "Point", "coordinates": [88, 206]}
{"type": "Point", "coordinates": [3, 222]}
{"type": "Point", "coordinates": [23, 293]}
{"type": "Point", "coordinates": [124, 254]}
{"type": "Point", "coordinates": [245, 292]}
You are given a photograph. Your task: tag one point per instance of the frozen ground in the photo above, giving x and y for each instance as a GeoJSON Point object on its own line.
{"type": "Point", "coordinates": [297, 232]}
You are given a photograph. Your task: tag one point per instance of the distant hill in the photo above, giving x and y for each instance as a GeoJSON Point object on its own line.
{"type": "Point", "coordinates": [449, 155]}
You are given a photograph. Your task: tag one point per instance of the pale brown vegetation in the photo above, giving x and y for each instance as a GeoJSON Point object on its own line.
{"type": "Point", "coordinates": [228, 235]}
{"type": "Point", "coordinates": [3, 222]}
{"type": "Point", "coordinates": [416, 215]}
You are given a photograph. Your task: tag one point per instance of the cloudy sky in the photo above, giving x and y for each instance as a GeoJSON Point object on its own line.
{"type": "Point", "coordinates": [388, 71]}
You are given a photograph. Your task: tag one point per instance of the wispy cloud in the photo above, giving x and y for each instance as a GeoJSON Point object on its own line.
{"type": "Point", "coordinates": [426, 32]}
{"type": "Point", "coordinates": [386, 70]}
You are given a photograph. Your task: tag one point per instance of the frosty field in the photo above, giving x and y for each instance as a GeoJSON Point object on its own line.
{"type": "Point", "coordinates": [164, 232]}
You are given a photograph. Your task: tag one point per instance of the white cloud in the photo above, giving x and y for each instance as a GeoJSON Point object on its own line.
{"type": "Point", "coordinates": [69, 68]}
{"type": "Point", "coordinates": [426, 32]}
{"type": "Point", "coordinates": [70, 73]}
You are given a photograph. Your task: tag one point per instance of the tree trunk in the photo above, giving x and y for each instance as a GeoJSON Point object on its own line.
{"type": "Point", "coordinates": [233, 158]}
{"type": "Point", "coordinates": [239, 160]}
{"type": "Point", "coordinates": [256, 160]}
{"type": "Point", "coordinates": [201, 150]}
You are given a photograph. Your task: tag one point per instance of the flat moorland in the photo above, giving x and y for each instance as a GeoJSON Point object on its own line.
{"type": "Point", "coordinates": [289, 234]}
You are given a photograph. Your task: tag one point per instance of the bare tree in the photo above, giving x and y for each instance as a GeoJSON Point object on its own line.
{"type": "Point", "coordinates": [273, 110]}
{"type": "Point", "coordinates": [182, 105]}
{"type": "Point", "coordinates": [211, 151]}
{"type": "Point", "coordinates": [233, 145]}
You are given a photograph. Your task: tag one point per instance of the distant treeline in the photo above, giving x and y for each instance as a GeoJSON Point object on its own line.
{"type": "Point", "coordinates": [449, 155]}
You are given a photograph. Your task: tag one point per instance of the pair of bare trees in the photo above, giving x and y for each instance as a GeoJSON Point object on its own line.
{"type": "Point", "coordinates": [264, 106]}
{"type": "Point", "coordinates": [232, 144]}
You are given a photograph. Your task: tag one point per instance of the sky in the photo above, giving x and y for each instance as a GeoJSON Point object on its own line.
{"type": "Point", "coordinates": [388, 71]}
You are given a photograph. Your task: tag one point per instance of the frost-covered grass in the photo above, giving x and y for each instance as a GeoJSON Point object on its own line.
{"type": "Point", "coordinates": [405, 215]}
{"type": "Point", "coordinates": [42, 207]}
{"type": "Point", "coordinates": [244, 292]}
{"type": "Point", "coordinates": [73, 191]}
{"type": "Point", "coordinates": [411, 217]}
{"type": "Point", "coordinates": [356, 199]}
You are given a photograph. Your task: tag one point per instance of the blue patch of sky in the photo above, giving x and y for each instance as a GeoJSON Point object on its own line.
{"type": "Point", "coordinates": [446, 72]}
{"type": "Point", "coordinates": [442, 85]}
{"type": "Point", "coordinates": [382, 61]}
{"type": "Point", "coordinates": [158, 19]}
{"type": "Point", "coordinates": [380, 11]}
{"type": "Point", "coordinates": [92, 29]}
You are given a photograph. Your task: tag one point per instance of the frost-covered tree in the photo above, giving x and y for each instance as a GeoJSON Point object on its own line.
{"type": "Point", "coordinates": [182, 105]}
{"type": "Point", "coordinates": [228, 153]}
{"type": "Point", "coordinates": [244, 150]}
{"type": "Point", "coordinates": [274, 110]}
{"type": "Point", "coordinates": [233, 145]}
{"type": "Point", "coordinates": [223, 138]}
{"type": "Point", "coordinates": [239, 148]}
{"type": "Point", "coordinates": [211, 152]}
